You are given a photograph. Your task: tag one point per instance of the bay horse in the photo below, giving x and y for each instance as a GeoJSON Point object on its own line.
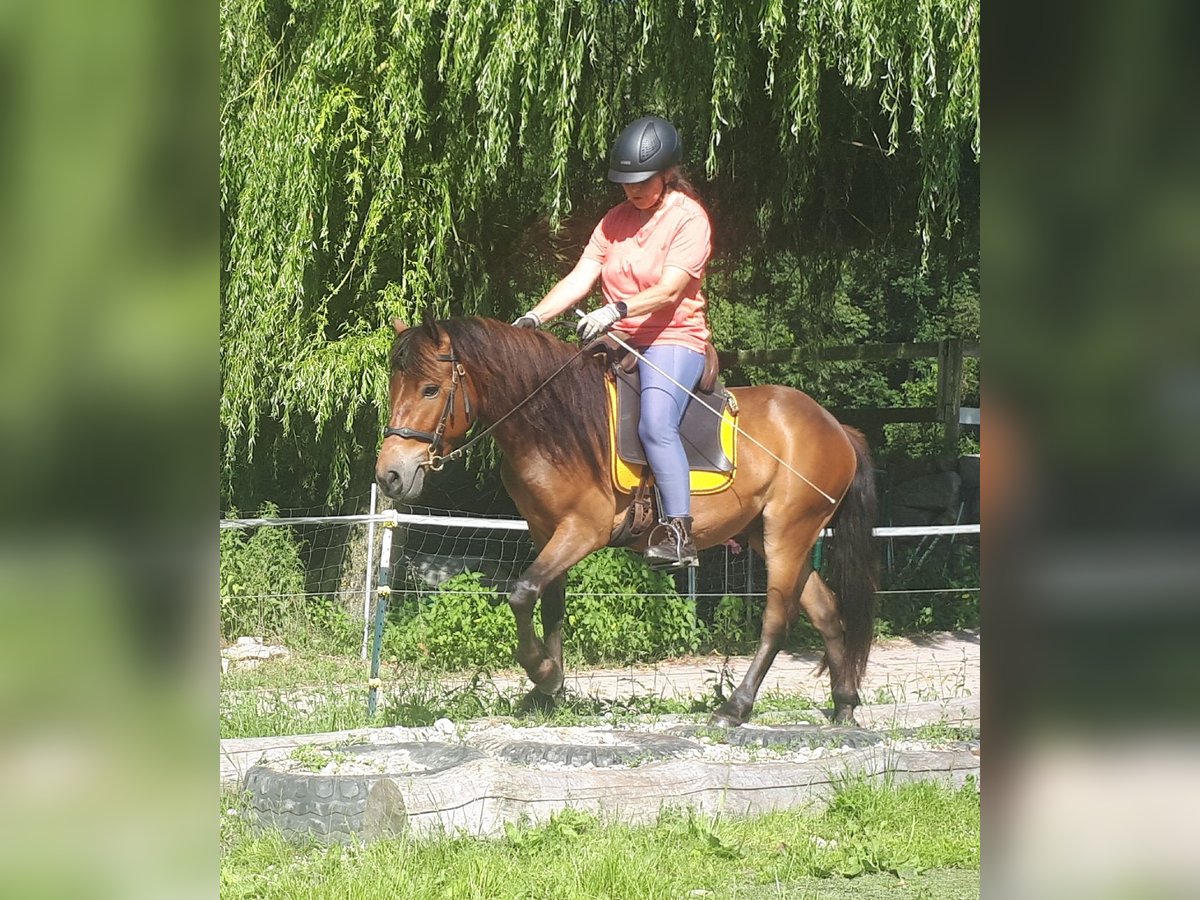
{"type": "Point", "coordinates": [450, 374]}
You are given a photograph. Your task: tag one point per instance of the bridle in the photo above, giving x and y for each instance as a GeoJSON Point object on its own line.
{"type": "Point", "coordinates": [434, 439]}
{"type": "Point", "coordinates": [458, 375]}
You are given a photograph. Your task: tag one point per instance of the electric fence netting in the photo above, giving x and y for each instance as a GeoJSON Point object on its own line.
{"type": "Point", "coordinates": [305, 583]}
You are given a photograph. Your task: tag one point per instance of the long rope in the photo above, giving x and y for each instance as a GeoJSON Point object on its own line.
{"type": "Point", "coordinates": [737, 427]}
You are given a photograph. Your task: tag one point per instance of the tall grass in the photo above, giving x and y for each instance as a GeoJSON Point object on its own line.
{"type": "Point", "coordinates": [891, 836]}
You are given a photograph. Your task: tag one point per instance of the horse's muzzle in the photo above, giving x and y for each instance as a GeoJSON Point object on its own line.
{"type": "Point", "coordinates": [401, 481]}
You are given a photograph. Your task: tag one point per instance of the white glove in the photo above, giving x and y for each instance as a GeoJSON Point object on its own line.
{"type": "Point", "coordinates": [529, 320]}
{"type": "Point", "coordinates": [597, 322]}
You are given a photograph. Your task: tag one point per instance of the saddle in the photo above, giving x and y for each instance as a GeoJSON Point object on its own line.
{"type": "Point", "coordinates": [709, 440]}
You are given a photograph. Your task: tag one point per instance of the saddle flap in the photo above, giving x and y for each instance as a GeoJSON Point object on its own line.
{"type": "Point", "coordinates": [700, 430]}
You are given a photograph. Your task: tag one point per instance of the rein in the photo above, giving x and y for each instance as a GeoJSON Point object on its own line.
{"type": "Point", "coordinates": [458, 376]}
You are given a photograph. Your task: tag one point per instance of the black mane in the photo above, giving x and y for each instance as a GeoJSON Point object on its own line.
{"type": "Point", "coordinates": [505, 365]}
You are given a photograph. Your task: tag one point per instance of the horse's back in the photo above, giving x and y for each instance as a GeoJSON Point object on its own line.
{"type": "Point", "coordinates": [786, 406]}
{"type": "Point", "coordinates": [800, 432]}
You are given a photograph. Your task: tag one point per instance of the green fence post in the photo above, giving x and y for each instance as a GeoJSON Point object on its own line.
{"type": "Point", "coordinates": [382, 591]}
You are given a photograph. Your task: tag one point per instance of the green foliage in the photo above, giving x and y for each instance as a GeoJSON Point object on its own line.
{"type": "Point", "coordinates": [463, 624]}
{"type": "Point", "coordinates": [874, 832]}
{"type": "Point", "coordinates": [618, 610]}
{"type": "Point", "coordinates": [736, 624]}
{"type": "Point", "coordinates": [268, 713]}
{"type": "Point", "coordinates": [262, 583]}
{"type": "Point", "coordinates": [314, 758]}
{"type": "Point", "coordinates": [261, 578]}
{"type": "Point", "coordinates": [870, 297]}
{"type": "Point", "coordinates": [933, 564]}
{"type": "Point", "coordinates": [403, 158]}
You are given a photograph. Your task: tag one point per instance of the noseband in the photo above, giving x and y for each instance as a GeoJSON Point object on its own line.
{"type": "Point", "coordinates": [436, 460]}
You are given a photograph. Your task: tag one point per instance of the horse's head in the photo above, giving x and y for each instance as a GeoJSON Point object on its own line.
{"type": "Point", "coordinates": [430, 409]}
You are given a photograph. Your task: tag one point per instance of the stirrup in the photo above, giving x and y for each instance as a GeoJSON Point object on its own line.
{"type": "Point", "coordinates": [680, 560]}
{"type": "Point", "coordinates": [663, 564]}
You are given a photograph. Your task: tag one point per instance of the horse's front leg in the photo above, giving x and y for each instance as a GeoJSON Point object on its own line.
{"type": "Point", "coordinates": [546, 578]}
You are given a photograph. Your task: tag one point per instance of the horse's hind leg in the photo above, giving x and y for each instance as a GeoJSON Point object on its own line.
{"type": "Point", "coordinates": [553, 606]}
{"type": "Point", "coordinates": [820, 604]}
{"type": "Point", "coordinates": [785, 567]}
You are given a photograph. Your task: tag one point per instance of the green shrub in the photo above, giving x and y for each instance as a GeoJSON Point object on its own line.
{"type": "Point", "coordinates": [618, 610]}
{"type": "Point", "coordinates": [463, 624]}
{"type": "Point", "coordinates": [324, 625]}
{"type": "Point", "coordinates": [948, 568]}
{"type": "Point", "coordinates": [261, 578]}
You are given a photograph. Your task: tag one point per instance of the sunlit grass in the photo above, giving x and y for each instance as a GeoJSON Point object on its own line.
{"type": "Point", "coordinates": [893, 837]}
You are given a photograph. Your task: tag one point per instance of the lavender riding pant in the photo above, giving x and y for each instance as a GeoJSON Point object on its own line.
{"type": "Point", "coordinates": [663, 404]}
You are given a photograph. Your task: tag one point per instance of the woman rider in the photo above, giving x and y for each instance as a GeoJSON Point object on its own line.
{"type": "Point", "coordinates": [649, 253]}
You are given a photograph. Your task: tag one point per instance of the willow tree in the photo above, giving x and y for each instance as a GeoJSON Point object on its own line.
{"type": "Point", "coordinates": [404, 158]}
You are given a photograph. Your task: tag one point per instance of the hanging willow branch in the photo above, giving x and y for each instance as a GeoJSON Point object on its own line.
{"type": "Point", "coordinates": [372, 152]}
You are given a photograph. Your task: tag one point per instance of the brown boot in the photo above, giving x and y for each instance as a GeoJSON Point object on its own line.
{"type": "Point", "coordinates": [671, 544]}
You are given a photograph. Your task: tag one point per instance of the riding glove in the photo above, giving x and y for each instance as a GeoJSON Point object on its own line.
{"type": "Point", "coordinates": [598, 321]}
{"type": "Point", "coordinates": [529, 320]}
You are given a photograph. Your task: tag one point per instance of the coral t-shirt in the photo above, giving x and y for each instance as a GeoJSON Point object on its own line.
{"type": "Point", "coordinates": [632, 256]}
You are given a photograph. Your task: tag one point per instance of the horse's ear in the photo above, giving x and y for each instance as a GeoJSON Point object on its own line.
{"type": "Point", "coordinates": [398, 326]}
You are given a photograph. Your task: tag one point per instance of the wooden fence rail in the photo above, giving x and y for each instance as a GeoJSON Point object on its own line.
{"type": "Point", "coordinates": [949, 354]}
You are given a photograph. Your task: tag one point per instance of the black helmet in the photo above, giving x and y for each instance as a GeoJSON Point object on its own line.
{"type": "Point", "coordinates": [646, 147]}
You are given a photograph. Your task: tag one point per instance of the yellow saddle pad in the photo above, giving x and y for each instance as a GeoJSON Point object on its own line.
{"type": "Point", "coordinates": [626, 475]}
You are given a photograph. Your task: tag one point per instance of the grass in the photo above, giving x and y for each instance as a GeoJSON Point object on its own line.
{"type": "Point", "coordinates": [420, 699]}
{"type": "Point", "coordinates": [296, 671]}
{"type": "Point", "coordinates": [944, 732]}
{"type": "Point", "coordinates": [913, 840]}
{"type": "Point", "coordinates": [309, 695]}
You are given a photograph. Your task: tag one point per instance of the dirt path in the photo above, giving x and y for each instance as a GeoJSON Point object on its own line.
{"type": "Point", "coordinates": [926, 669]}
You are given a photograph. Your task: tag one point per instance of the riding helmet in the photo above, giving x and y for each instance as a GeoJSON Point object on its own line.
{"type": "Point", "coordinates": [645, 148]}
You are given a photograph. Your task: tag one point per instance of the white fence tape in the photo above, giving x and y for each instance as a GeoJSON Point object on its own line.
{"type": "Point", "coordinates": [392, 517]}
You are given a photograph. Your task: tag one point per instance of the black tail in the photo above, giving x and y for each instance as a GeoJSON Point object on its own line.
{"type": "Point", "coordinates": [851, 567]}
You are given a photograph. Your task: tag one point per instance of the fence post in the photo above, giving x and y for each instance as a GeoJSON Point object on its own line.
{"type": "Point", "coordinates": [950, 368]}
{"type": "Point", "coordinates": [370, 569]}
{"type": "Point", "coordinates": [749, 573]}
{"type": "Point", "coordinates": [383, 590]}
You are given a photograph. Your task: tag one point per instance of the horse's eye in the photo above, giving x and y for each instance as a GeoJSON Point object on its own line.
{"type": "Point", "coordinates": [430, 390]}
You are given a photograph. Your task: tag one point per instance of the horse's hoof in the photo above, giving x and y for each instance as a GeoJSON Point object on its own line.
{"type": "Point", "coordinates": [724, 719]}
{"type": "Point", "coordinates": [538, 701]}
{"type": "Point", "coordinates": [844, 715]}
{"type": "Point", "coordinates": [548, 678]}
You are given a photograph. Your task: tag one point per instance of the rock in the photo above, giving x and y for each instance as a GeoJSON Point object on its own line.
{"type": "Point", "coordinates": [934, 492]}
{"type": "Point", "coordinates": [945, 517]}
{"type": "Point", "coordinates": [252, 650]}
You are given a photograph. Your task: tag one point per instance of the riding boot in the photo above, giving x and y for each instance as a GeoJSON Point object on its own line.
{"type": "Point", "coordinates": [674, 547]}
